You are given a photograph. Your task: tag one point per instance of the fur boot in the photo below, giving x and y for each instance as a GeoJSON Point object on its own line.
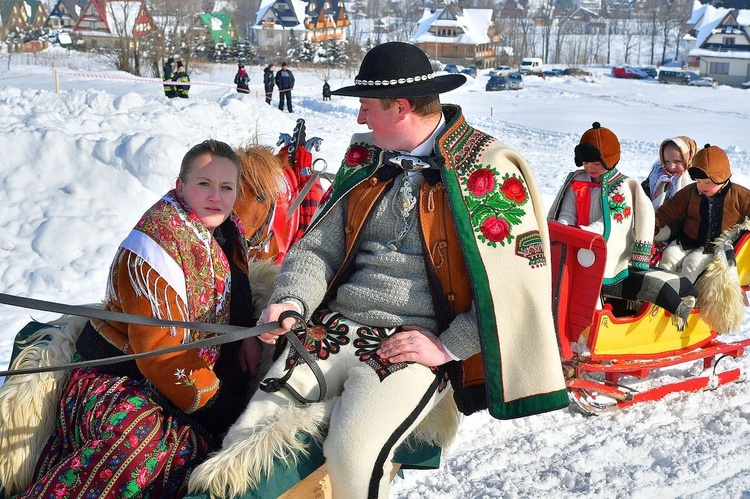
{"type": "Point", "coordinates": [28, 402]}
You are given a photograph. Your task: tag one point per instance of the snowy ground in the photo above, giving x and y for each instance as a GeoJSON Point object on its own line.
{"type": "Point", "coordinates": [80, 166]}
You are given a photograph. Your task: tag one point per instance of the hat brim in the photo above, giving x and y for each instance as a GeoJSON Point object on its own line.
{"type": "Point", "coordinates": [436, 85]}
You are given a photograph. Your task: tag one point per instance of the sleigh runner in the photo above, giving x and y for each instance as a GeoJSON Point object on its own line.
{"type": "Point", "coordinates": [605, 356]}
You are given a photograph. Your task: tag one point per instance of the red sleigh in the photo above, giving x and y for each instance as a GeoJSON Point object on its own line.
{"type": "Point", "coordinates": [612, 362]}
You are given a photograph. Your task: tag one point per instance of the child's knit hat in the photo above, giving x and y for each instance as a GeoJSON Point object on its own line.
{"type": "Point", "coordinates": [713, 162]}
{"type": "Point", "coordinates": [686, 145]}
{"type": "Point", "coordinates": [598, 144]}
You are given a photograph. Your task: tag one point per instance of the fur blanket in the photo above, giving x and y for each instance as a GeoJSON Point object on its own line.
{"type": "Point", "coordinates": [28, 402]}
{"type": "Point", "coordinates": [725, 308]}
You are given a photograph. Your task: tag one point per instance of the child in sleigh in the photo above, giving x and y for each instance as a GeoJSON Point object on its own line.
{"type": "Point", "coordinates": [710, 209]}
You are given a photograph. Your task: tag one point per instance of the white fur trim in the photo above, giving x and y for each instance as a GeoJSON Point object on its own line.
{"type": "Point", "coordinates": [248, 452]}
{"type": "Point", "coordinates": [29, 402]}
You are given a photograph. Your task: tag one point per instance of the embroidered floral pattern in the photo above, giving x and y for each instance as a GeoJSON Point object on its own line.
{"type": "Point", "coordinates": [495, 207]}
{"type": "Point", "coordinates": [328, 333]}
{"type": "Point", "coordinates": [618, 207]}
{"type": "Point", "coordinates": [357, 156]}
{"type": "Point", "coordinates": [116, 442]}
{"type": "Point", "coordinates": [368, 341]}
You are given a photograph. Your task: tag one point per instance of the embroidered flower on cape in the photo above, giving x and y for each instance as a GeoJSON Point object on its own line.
{"type": "Point", "coordinates": [356, 155]}
{"type": "Point", "coordinates": [618, 207]}
{"type": "Point", "coordinates": [494, 203]}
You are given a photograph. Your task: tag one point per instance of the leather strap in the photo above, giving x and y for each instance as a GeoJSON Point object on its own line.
{"type": "Point", "coordinates": [271, 385]}
{"type": "Point", "coordinates": [227, 334]}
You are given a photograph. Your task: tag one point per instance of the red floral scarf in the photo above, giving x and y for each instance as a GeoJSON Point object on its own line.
{"type": "Point", "coordinates": [179, 232]}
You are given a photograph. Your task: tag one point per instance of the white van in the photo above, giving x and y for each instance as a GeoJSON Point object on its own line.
{"type": "Point", "coordinates": [531, 65]}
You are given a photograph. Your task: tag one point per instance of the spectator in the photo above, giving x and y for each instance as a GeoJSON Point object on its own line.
{"type": "Point", "coordinates": [268, 82]}
{"type": "Point", "coordinates": [285, 82]}
{"type": "Point", "coordinates": [182, 77]}
{"type": "Point", "coordinates": [326, 91]}
{"type": "Point", "coordinates": [168, 75]}
{"type": "Point", "coordinates": [241, 79]}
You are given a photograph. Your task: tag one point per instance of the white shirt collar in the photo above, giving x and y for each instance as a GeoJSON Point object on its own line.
{"type": "Point", "coordinates": [426, 148]}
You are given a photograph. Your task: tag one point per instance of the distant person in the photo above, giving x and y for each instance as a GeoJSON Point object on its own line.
{"type": "Point", "coordinates": [285, 82]}
{"type": "Point", "coordinates": [326, 91]}
{"type": "Point", "coordinates": [268, 82]}
{"type": "Point", "coordinates": [168, 76]}
{"type": "Point", "coordinates": [184, 79]}
{"type": "Point", "coordinates": [241, 79]}
{"type": "Point", "coordinates": [670, 173]}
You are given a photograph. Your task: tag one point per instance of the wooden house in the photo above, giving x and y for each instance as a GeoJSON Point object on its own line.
{"type": "Point", "coordinates": [110, 21]}
{"type": "Point", "coordinates": [21, 14]}
{"type": "Point", "coordinates": [325, 20]}
{"type": "Point", "coordinates": [459, 35]}
{"type": "Point", "coordinates": [65, 14]}
{"type": "Point", "coordinates": [721, 44]}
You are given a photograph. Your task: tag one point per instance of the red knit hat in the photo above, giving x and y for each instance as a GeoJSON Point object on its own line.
{"type": "Point", "coordinates": [598, 144]}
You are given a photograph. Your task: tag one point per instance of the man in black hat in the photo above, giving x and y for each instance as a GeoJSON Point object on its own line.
{"type": "Point", "coordinates": [427, 262]}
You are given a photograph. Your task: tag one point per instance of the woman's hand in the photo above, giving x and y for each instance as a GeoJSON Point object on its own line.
{"type": "Point", "coordinates": [249, 355]}
{"type": "Point", "coordinates": [270, 314]}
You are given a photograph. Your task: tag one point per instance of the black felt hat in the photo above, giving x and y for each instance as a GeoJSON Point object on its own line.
{"type": "Point", "coordinates": [396, 70]}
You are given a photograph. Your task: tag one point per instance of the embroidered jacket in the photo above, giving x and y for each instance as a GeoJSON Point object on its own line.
{"type": "Point", "coordinates": [485, 244]}
{"type": "Point", "coordinates": [170, 267]}
{"type": "Point", "coordinates": [621, 212]}
{"type": "Point", "coordinates": [691, 206]}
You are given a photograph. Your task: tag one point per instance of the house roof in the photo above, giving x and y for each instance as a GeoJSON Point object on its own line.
{"type": "Point", "coordinates": [707, 19]}
{"type": "Point", "coordinates": [219, 25]}
{"type": "Point", "coordinates": [291, 17]}
{"type": "Point", "coordinates": [473, 23]}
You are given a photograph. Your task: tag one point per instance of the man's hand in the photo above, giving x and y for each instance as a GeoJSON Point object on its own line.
{"type": "Point", "coordinates": [249, 355]}
{"type": "Point", "coordinates": [414, 344]}
{"type": "Point", "coordinates": [270, 314]}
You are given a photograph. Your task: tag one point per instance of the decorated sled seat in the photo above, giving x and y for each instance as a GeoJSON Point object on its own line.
{"type": "Point", "coordinates": [598, 348]}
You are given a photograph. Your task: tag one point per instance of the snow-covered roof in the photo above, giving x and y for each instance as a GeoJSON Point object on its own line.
{"type": "Point", "coordinates": [474, 23]}
{"type": "Point", "coordinates": [122, 16]}
{"type": "Point", "coordinates": [298, 11]}
{"type": "Point", "coordinates": [708, 18]}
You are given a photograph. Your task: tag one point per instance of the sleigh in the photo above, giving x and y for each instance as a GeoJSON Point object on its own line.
{"type": "Point", "coordinates": [613, 361]}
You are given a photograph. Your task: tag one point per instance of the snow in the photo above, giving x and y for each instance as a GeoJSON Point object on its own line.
{"type": "Point", "coordinates": [80, 166]}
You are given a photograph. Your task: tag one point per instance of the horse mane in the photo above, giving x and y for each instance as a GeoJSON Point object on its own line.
{"type": "Point", "coordinates": [260, 171]}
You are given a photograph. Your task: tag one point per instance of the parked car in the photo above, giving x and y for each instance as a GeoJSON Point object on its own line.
{"type": "Point", "coordinates": [497, 83]}
{"type": "Point", "coordinates": [627, 72]}
{"type": "Point", "coordinates": [515, 81]}
{"type": "Point", "coordinates": [746, 84]}
{"type": "Point", "coordinates": [677, 76]}
{"type": "Point", "coordinates": [649, 71]}
{"type": "Point", "coordinates": [705, 81]}
{"type": "Point", "coordinates": [575, 72]}
{"type": "Point", "coordinates": [470, 70]}
{"type": "Point", "coordinates": [501, 71]}
{"type": "Point", "coordinates": [453, 68]}
{"type": "Point", "coordinates": [549, 74]}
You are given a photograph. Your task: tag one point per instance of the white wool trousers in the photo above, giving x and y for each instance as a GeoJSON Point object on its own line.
{"type": "Point", "coordinates": [375, 405]}
{"type": "Point", "coordinates": [688, 263]}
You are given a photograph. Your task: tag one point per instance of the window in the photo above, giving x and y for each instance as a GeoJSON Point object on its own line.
{"type": "Point", "coordinates": [718, 68]}
{"type": "Point", "coordinates": [728, 40]}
